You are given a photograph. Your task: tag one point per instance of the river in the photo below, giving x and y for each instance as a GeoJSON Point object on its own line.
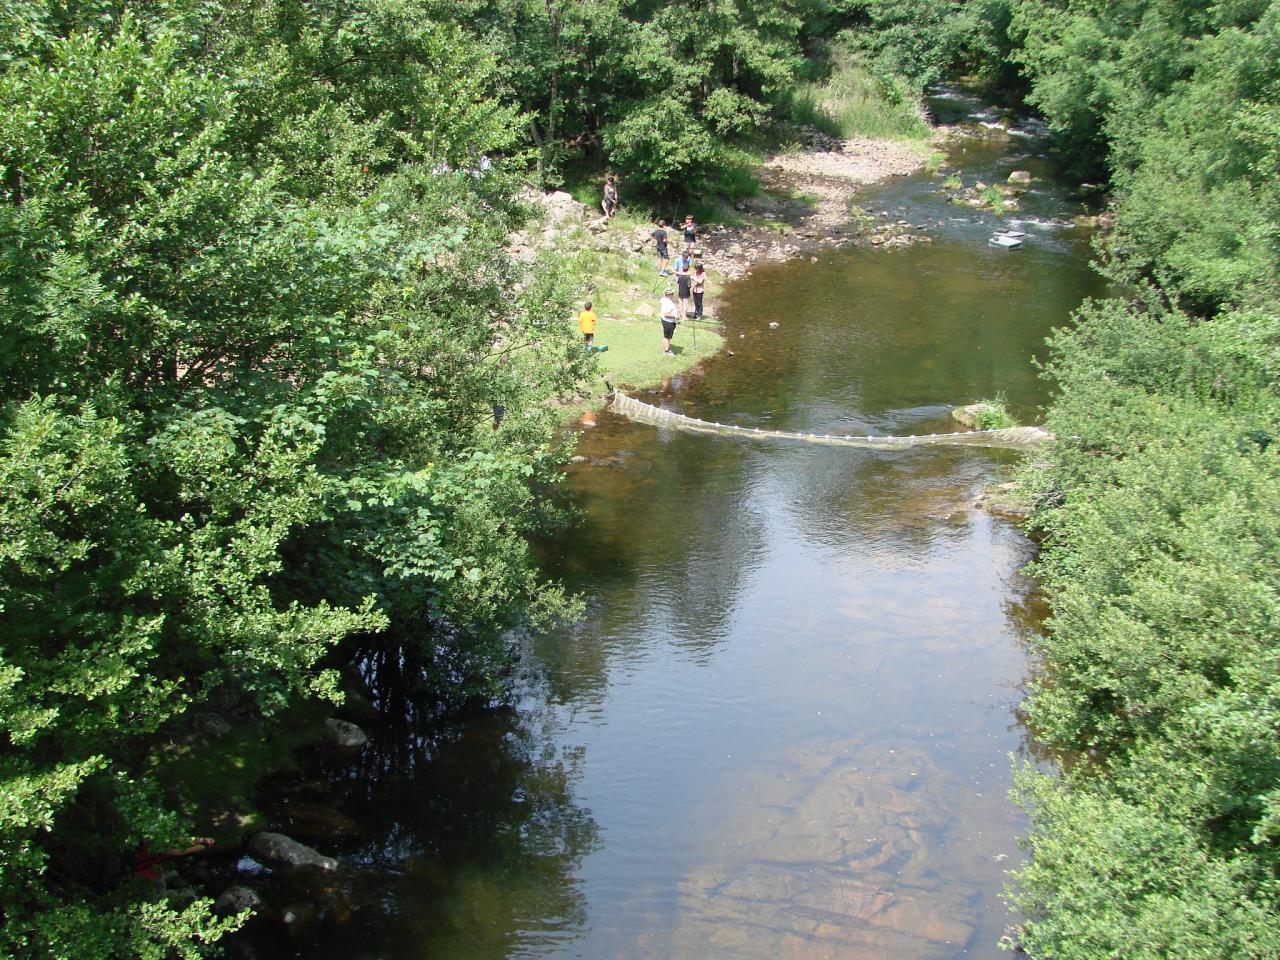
{"type": "Point", "coordinates": [783, 726]}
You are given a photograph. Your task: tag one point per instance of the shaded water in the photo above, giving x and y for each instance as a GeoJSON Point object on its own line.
{"type": "Point", "coordinates": [782, 727]}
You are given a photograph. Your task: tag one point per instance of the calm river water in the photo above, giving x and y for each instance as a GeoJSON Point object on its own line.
{"type": "Point", "coordinates": [783, 727]}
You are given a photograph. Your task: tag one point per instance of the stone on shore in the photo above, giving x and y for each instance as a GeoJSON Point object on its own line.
{"type": "Point", "coordinates": [968, 416]}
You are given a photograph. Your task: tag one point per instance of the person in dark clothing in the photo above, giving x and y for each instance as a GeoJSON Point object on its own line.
{"type": "Point", "coordinates": [690, 233]}
{"type": "Point", "coordinates": [660, 241]}
{"type": "Point", "coordinates": [684, 267]}
{"type": "Point", "coordinates": [609, 203]}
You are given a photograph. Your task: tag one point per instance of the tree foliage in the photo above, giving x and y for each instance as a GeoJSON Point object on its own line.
{"type": "Point", "coordinates": [252, 350]}
{"type": "Point", "coordinates": [1179, 103]}
{"type": "Point", "coordinates": [1160, 659]}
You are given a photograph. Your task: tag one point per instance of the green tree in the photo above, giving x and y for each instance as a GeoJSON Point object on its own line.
{"type": "Point", "coordinates": [1159, 661]}
{"type": "Point", "coordinates": [242, 418]}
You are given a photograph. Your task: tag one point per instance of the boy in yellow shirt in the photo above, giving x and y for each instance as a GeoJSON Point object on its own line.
{"type": "Point", "coordinates": [587, 324]}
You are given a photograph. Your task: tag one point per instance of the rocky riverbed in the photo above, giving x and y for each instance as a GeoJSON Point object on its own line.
{"type": "Point", "coordinates": [808, 201]}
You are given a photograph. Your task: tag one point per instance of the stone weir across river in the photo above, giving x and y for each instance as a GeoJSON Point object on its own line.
{"type": "Point", "coordinates": [1012, 437]}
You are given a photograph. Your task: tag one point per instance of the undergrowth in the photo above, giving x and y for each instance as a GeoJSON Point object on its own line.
{"type": "Point", "coordinates": [853, 101]}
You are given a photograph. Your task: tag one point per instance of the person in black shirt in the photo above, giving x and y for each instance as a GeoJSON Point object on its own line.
{"type": "Point", "coordinates": [690, 233]}
{"type": "Point", "coordinates": [660, 241]}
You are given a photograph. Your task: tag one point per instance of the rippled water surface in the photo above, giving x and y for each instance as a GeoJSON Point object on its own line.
{"type": "Point", "coordinates": [782, 728]}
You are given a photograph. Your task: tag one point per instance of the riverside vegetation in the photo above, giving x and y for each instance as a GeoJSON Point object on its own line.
{"type": "Point", "coordinates": [1158, 511]}
{"type": "Point", "coordinates": [254, 338]}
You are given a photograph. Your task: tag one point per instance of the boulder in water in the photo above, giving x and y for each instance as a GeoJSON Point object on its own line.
{"type": "Point", "coordinates": [236, 899]}
{"type": "Point", "coordinates": [277, 850]}
{"type": "Point", "coordinates": [344, 734]}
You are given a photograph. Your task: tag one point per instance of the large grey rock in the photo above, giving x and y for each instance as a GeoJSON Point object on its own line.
{"type": "Point", "coordinates": [968, 415]}
{"type": "Point", "coordinates": [344, 734]}
{"type": "Point", "coordinates": [561, 207]}
{"type": "Point", "coordinates": [277, 850]}
{"type": "Point", "coordinates": [237, 898]}
{"type": "Point", "coordinates": [1020, 177]}
{"type": "Point", "coordinates": [212, 725]}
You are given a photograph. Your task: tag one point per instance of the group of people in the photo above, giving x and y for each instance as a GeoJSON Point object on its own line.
{"type": "Point", "coordinates": [691, 276]}
{"type": "Point", "coordinates": [691, 280]}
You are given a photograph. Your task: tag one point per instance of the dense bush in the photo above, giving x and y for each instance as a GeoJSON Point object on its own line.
{"type": "Point", "coordinates": [1160, 673]}
{"type": "Point", "coordinates": [1161, 663]}
{"type": "Point", "coordinates": [252, 349]}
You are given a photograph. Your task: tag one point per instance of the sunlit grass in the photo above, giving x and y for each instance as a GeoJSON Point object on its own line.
{"type": "Point", "coordinates": [994, 414]}
{"type": "Point", "coordinates": [620, 284]}
{"type": "Point", "coordinates": [854, 102]}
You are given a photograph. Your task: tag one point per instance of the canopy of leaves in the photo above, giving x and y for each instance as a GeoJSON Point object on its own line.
{"type": "Point", "coordinates": [253, 341]}
{"type": "Point", "coordinates": [1161, 659]}
{"type": "Point", "coordinates": [1180, 103]}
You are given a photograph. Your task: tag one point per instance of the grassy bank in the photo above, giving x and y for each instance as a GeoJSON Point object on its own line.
{"type": "Point", "coordinates": [624, 288]}
{"type": "Point", "coordinates": [854, 102]}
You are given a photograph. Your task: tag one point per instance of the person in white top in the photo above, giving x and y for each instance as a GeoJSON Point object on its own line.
{"type": "Point", "coordinates": [667, 310]}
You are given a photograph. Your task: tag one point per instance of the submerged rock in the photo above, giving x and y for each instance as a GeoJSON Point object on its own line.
{"type": "Point", "coordinates": [237, 898]}
{"type": "Point", "coordinates": [1001, 500]}
{"type": "Point", "coordinates": [344, 734]}
{"type": "Point", "coordinates": [299, 917]}
{"type": "Point", "coordinates": [277, 850]}
{"type": "Point", "coordinates": [316, 821]}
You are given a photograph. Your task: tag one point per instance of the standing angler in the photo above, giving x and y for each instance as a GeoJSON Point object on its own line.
{"type": "Point", "coordinates": [667, 310]}
{"type": "Point", "coordinates": [660, 241]}
{"type": "Point", "coordinates": [690, 233]}
{"type": "Point", "coordinates": [699, 281]}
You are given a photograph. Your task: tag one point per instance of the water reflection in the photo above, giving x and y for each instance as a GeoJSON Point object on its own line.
{"type": "Point", "coordinates": [457, 836]}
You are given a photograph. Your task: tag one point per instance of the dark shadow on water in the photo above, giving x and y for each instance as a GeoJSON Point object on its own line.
{"type": "Point", "coordinates": [468, 834]}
